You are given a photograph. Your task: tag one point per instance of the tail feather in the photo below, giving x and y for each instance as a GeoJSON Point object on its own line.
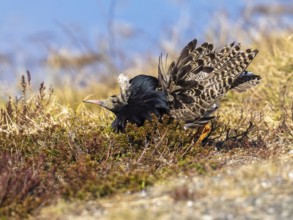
{"type": "Point", "coordinates": [200, 77]}
{"type": "Point", "coordinates": [245, 81]}
{"type": "Point", "coordinates": [224, 55]}
{"type": "Point", "coordinates": [234, 67]}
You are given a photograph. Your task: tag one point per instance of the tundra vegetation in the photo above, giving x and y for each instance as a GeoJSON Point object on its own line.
{"type": "Point", "coordinates": [60, 158]}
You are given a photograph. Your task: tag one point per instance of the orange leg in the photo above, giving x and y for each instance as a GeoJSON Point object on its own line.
{"type": "Point", "coordinates": [203, 132]}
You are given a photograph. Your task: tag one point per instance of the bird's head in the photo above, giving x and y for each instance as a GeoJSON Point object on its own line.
{"type": "Point", "coordinates": [113, 103]}
{"type": "Point", "coordinates": [116, 103]}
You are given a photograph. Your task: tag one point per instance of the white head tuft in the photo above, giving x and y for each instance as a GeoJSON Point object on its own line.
{"type": "Point", "coordinates": [124, 85]}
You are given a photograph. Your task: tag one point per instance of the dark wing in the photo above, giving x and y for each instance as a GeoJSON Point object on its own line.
{"type": "Point", "coordinates": [199, 78]}
{"type": "Point", "coordinates": [143, 101]}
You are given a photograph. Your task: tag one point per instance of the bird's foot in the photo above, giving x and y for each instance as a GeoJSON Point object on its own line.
{"type": "Point", "coordinates": [203, 133]}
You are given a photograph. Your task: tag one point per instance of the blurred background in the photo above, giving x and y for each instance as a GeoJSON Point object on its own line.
{"type": "Point", "coordinates": [80, 44]}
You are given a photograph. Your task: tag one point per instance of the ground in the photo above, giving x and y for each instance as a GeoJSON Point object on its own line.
{"type": "Point", "coordinates": [247, 188]}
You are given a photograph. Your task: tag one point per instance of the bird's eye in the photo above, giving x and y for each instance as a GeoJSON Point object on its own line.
{"type": "Point", "coordinates": [115, 100]}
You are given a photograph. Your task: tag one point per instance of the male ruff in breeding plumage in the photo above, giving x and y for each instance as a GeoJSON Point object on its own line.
{"type": "Point", "coordinates": [189, 91]}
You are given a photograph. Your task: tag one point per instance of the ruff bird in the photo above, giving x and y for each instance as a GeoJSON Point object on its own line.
{"type": "Point", "coordinates": [190, 90]}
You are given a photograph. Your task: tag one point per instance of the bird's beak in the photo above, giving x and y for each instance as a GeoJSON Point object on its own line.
{"type": "Point", "coordinates": [97, 102]}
